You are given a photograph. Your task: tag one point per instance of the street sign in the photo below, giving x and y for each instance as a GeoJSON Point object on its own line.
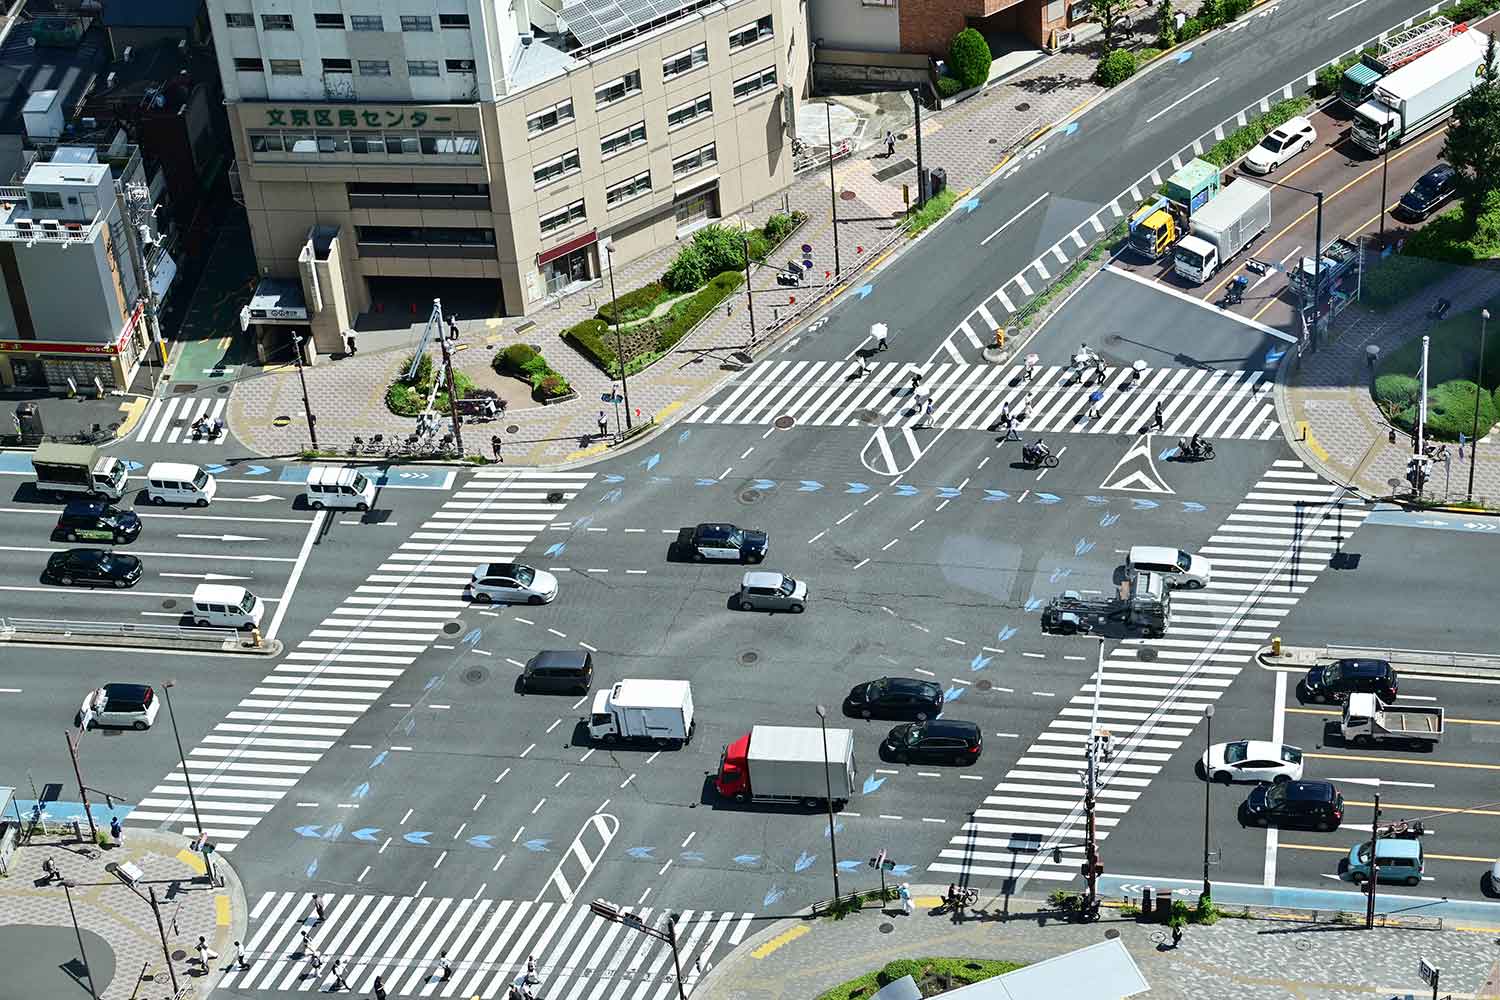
{"type": "Point", "coordinates": [611, 397]}
{"type": "Point", "coordinates": [878, 860]}
{"type": "Point", "coordinates": [1428, 973]}
{"type": "Point", "coordinates": [807, 249]}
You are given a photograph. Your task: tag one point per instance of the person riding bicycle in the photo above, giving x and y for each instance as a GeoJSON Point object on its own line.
{"type": "Point", "coordinates": [1036, 451]}
{"type": "Point", "coordinates": [952, 898]}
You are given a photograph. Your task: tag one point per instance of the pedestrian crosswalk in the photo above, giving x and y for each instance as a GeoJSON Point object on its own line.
{"type": "Point", "coordinates": [284, 726]}
{"type": "Point", "coordinates": [579, 956]}
{"type": "Point", "coordinates": [171, 420]}
{"type": "Point", "coordinates": [1214, 403]}
{"type": "Point", "coordinates": [1153, 692]}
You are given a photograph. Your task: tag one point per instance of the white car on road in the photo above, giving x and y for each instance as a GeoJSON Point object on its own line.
{"type": "Point", "coordinates": [1281, 144]}
{"type": "Point", "coordinates": [511, 583]}
{"type": "Point", "coordinates": [1252, 760]}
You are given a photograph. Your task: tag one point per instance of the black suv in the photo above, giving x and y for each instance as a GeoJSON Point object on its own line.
{"type": "Point", "coordinates": [940, 741]}
{"type": "Point", "coordinates": [92, 566]}
{"type": "Point", "coordinates": [1334, 682]}
{"type": "Point", "coordinates": [91, 521]}
{"type": "Point", "coordinates": [1430, 191]}
{"type": "Point", "coordinates": [1311, 805]}
{"type": "Point", "coordinates": [895, 698]}
{"type": "Point", "coordinates": [725, 541]}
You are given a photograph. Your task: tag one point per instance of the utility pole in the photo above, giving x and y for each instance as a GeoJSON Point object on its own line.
{"type": "Point", "coordinates": [161, 931]}
{"type": "Point", "coordinates": [1374, 864]}
{"type": "Point", "coordinates": [1208, 784]}
{"type": "Point", "coordinates": [1092, 867]}
{"type": "Point", "coordinates": [83, 792]}
{"type": "Point", "coordinates": [202, 839]}
{"type": "Point", "coordinates": [828, 789]}
{"type": "Point", "coordinates": [458, 431]}
{"type": "Point", "coordinates": [1385, 168]}
{"type": "Point", "coordinates": [312, 422]}
{"type": "Point", "coordinates": [1317, 269]}
{"type": "Point", "coordinates": [833, 189]}
{"type": "Point", "coordinates": [135, 202]}
{"type": "Point", "coordinates": [916, 108]}
{"type": "Point", "coordinates": [1484, 322]}
{"type": "Point", "coordinates": [1422, 402]}
{"type": "Point", "coordinates": [607, 910]}
{"type": "Point", "coordinates": [68, 887]}
{"type": "Point", "coordinates": [609, 257]}
{"type": "Point", "coordinates": [749, 295]}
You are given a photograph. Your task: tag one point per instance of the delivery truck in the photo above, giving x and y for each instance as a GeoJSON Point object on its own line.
{"type": "Point", "coordinates": [644, 711]}
{"type": "Point", "coordinates": [787, 764]}
{"type": "Point", "coordinates": [1339, 258]}
{"type": "Point", "coordinates": [78, 470]}
{"type": "Point", "coordinates": [1368, 721]}
{"type": "Point", "coordinates": [1359, 80]}
{"type": "Point", "coordinates": [1223, 228]}
{"type": "Point", "coordinates": [1157, 226]}
{"type": "Point", "coordinates": [1420, 94]}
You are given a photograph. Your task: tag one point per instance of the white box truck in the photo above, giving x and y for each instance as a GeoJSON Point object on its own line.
{"type": "Point", "coordinates": [78, 470]}
{"type": "Point", "coordinates": [1420, 94]}
{"type": "Point", "coordinates": [1221, 229]}
{"type": "Point", "coordinates": [787, 764]}
{"type": "Point", "coordinates": [644, 711]}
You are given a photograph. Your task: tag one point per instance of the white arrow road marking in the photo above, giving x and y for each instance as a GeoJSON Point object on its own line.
{"type": "Point", "coordinates": [605, 826]}
{"type": "Point", "coordinates": [225, 538]}
{"type": "Point", "coordinates": [1137, 480]}
{"type": "Point", "coordinates": [262, 498]}
{"type": "Point", "coordinates": [204, 576]}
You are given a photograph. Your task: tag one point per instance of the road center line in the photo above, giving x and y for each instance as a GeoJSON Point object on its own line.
{"type": "Point", "coordinates": [1184, 97]}
{"type": "Point", "coordinates": [1013, 218]}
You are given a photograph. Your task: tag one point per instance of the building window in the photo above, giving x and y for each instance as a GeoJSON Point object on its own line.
{"type": "Point", "coordinates": [751, 33]}
{"type": "Point", "coordinates": [459, 65]}
{"type": "Point", "coordinates": [563, 217]}
{"type": "Point", "coordinates": [337, 66]}
{"type": "Point", "coordinates": [234, 20]}
{"type": "Point", "coordinates": [366, 22]}
{"type": "Point", "coordinates": [335, 20]}
{"type": "Point", "coordinates": [618, 89]}
{"type": "Point", "coordinates": [453, 20]}
{"type": "Point", "coordinates": [415, 22]}
{"type": "Point", "coordinates": [878, 3]}
{"type": "Point", "coordinates": [549, 118]}
{"type": "Point", "coordinates": [696, 160]}
{"type": "Point", "coordinates": [276, 22]}
{"type": "Point", "coordinates": [449, 145]}
{"type": "Point", "coordinates": [618, 142]}
{"type": "Point", "coordinates": [687, 59]}
{"type": "Point", "coordinates": [748, 86]}
{"type": "Point", "coordinates": [422, 67]}
{"type": "Point", "coordinates": [286, 67]}
{"type": "Point", "coordinates": [554, 169]}
{"type": "Point", "coordinates": [382, 67]}
{"type": "Point", "coordinates": [690, 111]}
{"type": "Point", "coordinates": [44, 199]}
{"type": "Point", "coordinates": [622, 192]}
{"type": "Point", "coordinates": [249, 66]}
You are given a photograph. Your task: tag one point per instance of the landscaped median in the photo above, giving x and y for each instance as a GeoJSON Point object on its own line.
{"type": "Point", "coordinates": [933, 976]}
{"type": "Point", "coordinates": [1453, 364]}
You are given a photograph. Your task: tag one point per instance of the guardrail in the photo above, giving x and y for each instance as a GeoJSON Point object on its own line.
{"type": "Point", "coordinates": [46, 626]}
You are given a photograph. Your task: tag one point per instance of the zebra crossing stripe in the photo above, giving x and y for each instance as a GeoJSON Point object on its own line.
{"type": "Point", "coordinates": [989, 320]}
{"type": "Point", "coordinates": [1005, 301]}
{"type": "Point", "coordinates": [1021, 283]}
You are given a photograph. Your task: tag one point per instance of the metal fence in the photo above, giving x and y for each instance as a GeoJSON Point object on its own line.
{"type": "Point", "coordinates": [47, 626]}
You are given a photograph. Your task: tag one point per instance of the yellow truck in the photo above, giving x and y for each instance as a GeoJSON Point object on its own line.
{"type": "Point", "coordinates": [1157, 225]}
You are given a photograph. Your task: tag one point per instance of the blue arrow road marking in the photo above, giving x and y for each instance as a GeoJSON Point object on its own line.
{"type": "Point", "coordinates": [651, 463]}
{"type": "Point", "coordinates": [948, 492]}
{"type": "Point", "coordinates": [1166, 453]}
{"type": "Point", "coordinates": [707, 482]}
{"type": "Point", "coordinates": [309, 831]}
{"type": "Point", "coordinates": [642, 853]}
{"type": "Point", "coordinates": [953, 694]}
{"type": "Point", "coordinates": [1183, 57]}
{"type": "Point", "coordinates": [312, 869]}
{"type": "Point", "coordinates": [381, 756]}
{"type": "Point", "coordinates": [1032, 603]}
{"type": "Point", "coordinates": [763, 485]}
{"type": "Point", "coordinates": [695, 857]}
{"type": "Point", "coordinates": [417, 837]}
{"type": "Point", "coordinates": [970, 205]}
{"type": "Point", "coordinates": [990, 496]}
{"type": "Point", "coordinates": [837, 828]}
{"type": "Point", "coordinates": [1059, 573]}
{"type": "Point", "coordinates": [1274, 355]}
{"type": "Point", "coordinates": [773, 896]}
{"type": "Point", "coordinates": [367, 834]}
{"type": "Point", "coordinates": [1067, 129]}
{"type": "Point", "coordinates": [611, 477]}
{"type": "Point", "coordinates": [257, 470]}
{"type": "Point", "coordinates": [1108, 520]}
{"type": "Point", "coordinates": [361, 790]}
{"type": "Point", "coordinates": [906, 869]}
{"type": "Point", "coordinates": [809, 486]}
{"type": "Point", "coordinates": [1097, 501]}
{"type": "Point", "coordinates": [129, 465]}
{"type": "Point", "coordinates": [863, 291]}
{"type": "Point", "coordinates": [537, 846]}
{"type": "Point", "coordinates": [857, 488]}
{"type": "Point", "coordinates": [216, 470]}
{"type": "Point", "coordinates": [556, 549]}
{"type": "Point", "coordinates": [1047, 498]}
{"type": "Point", "coordinates": [471, 638]}
{"type": "Point", "coordinates": [482, 840]}
{"type": "Point", "coordinates": [1006, 632]}
{"type": "Point", "coordinates": [872, 785]}
{"type": "Point", "coordinates": [661, 479]}
{"type": "Point", "coordinates": [849, 865]}
{"type": "Point", "coordinates": [905, 490]}
{"type": "Point", "coordinates": [747, 859]}
{"type": "Point", "coordinates": [979, 662]}
{"type": "Point", "coordinates": [684, 436]}
{"type": "Point", "coordinates": [334, 831]}
{"type": "Point", "coordinates": [1190, 507]}
{"type": "Point", "coordinates": [1082, 547]}
{"type": "Point", "coordinates": [1141, 503]}
{"type": "Point", "coordinates": [804, 862]}
{"type": "Point", "coordinates": [613, 496]}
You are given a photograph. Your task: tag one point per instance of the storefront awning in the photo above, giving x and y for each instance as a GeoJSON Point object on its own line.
{"type": "Point", "coordinates": [577, 243]}
{"type": "Point", "coordinates": [276, 300]}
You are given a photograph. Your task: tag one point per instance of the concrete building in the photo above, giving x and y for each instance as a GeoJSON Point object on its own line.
{"type": "Point", "coordinates": [382, 140]}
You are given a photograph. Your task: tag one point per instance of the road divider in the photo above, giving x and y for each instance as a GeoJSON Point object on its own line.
{"type": "Point", "coordinates": [46, 632]}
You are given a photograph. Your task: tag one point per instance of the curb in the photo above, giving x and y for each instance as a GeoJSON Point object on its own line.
{"type": "Point", "coordinates": [1323, 654]}
{"type": "Point", "coordinates": [207, 647]}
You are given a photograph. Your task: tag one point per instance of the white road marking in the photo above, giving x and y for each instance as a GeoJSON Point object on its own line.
{"type": "Point", "coordinates": [1013, 218]}
{"type": "Point", "coordinates": [1184, 97]}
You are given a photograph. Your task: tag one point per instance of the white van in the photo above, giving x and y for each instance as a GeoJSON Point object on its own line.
{"type": "Point", "coordinates": [1181, 569]}
{"type": "Point", "coordinates": [226, 607]}
{"type": "Point", "coordinates": [329, 486]}
{"type": "Point", "coordinates": [174, 482]}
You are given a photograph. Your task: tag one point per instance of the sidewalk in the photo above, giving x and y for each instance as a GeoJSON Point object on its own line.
{"type": "Point", "coordinates": [1235, 959]}
{"type": "Point", "coordinates": [967, 140]}
{"type": "Point", "coordinates": [40, 950]}
{"type": "Point", "coordinates": [1331, 417]}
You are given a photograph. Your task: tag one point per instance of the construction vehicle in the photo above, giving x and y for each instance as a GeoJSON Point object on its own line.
{"type": "Point", "coordinates": [1421, 94]}
{"type": "Point", "coordinates": [1339, 258]}
{"type": "Point", "coordinates": [1359, 80]}
{"type": "Point", "coordinates": [1143, 605]}
{"type": "Point", "coordinates": [1157, 225]}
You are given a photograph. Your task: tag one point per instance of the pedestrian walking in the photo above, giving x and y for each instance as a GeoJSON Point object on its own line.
{"type": "Point", "coordinates": [205, 953]}
{"type": "Point", "coordinates": [878, 331]}
{"type": "Point", "coordinates": [927, 417]}
{"type": "Point", "coordinates": [1095, 398]}
{"type": "Point", "coordinates": [890, 144]}
{"type": "Point", "coordinates": [603, 424]}
{"type": "Point", "coordinates": [116, 832]}
{"type": "Point", "coordinates": [317, 905]}
{"type": "Point", "coordinates": [905, 893]}
{"type": "Point", "coordinates": [531, 973]}
{"type": "Point", "coordinates": [239, 956]}
{"type": "Point", "coordinates": [337, 968]}
{"type": "Point", "coordinates": [916, 380]}
{"type": "Point", "coordinates": [495, 447]}
{"type": "Point", "coordinates": [1157, 420]}
{"type": "Point", "coordinates": [314, 963]}
{"type": "Point", "coordinates": [1176, 934]}
{"type": "Point", "coordinates": [349, 343]}
{"type": "Point", "coordinates": [864, 367]}
{"type": "Point", "coordinates": [444, 967]}
{"type": "Point", "coordinates": [379, 989]}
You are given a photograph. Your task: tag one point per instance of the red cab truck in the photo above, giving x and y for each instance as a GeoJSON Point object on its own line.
{"type": "Point", "coordinates": [786, 764]}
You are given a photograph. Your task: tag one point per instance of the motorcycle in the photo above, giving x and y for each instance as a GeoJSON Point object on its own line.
{"type": "Point", "coordinates": [1191, 450]}
{"type": "Point", "coordinates": [1034, 456]}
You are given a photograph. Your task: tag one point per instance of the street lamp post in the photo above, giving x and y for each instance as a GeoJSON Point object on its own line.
{"type": "Point", "coordinates": [828, 789]}
{"type": "Point", "coordinates": [1484, 322]}
{"type": "Point", "coordinates": [1317, 248]}
{"type": "Point", "coordinates": [312, 422]}
{"type": "Point", "coordinates": [1374, 878]}
{"type": "Point", "coordinates": [166, 690]}
{"type": "Point", "coordinates": [88, 969]}
{"type": "Point", "coordinates": [609, 258]}
{"type": "Point", "coordinates": [749, 292]}
{"type": "Point", "coordinates": [1385, 168]}
{"type": "Point", "coordinates": [607, 910]}
{"type": "Point", "coordinates": [1208, 782]}
{"type": "Point", "coordinates": [833, 189]}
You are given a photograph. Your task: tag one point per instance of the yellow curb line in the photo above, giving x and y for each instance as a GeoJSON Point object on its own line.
{"type": "Point", "coordinates": [132, 411]}
{"type": "Point", "coordinates": [192, 861]}
{"type": "Point", "coordinates": [668, 410]}
{"type": "Point", "coordinates": [597, 449]}
{"type": "Point", "coordinates": [779, 940]}
{"type": "Point", "coordinates": [221, 910]}
{"type": "Point", "coordinates": [1311, 441]}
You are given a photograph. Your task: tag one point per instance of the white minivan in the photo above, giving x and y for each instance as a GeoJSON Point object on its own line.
{"type": "Point", "coordinates": [215, 604]}
{"type": "Point", "coordinates": [175, 482]}
{"type": "Point", "coordinates": [1181, 569]}
{"type": "Point", "coordinates": [329, 486]}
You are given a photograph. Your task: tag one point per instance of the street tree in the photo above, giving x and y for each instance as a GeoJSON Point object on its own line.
{"type": "Point", "coordinates": [1109, 14]}
{"type": "Point", "coordinates": [1472, 145]}
{"type": "Point", "coordinates": [1166, 24]}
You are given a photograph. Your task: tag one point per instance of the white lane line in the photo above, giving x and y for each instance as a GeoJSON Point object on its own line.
{"type": "Point", "coordinates": [1184, 97]}
{"type": "Point", "coordinates": [1013, 218]}
{"type": "Point", "coordinates": [1278, 731]}
{"type": "Point", "coordinates": [1339, 13]}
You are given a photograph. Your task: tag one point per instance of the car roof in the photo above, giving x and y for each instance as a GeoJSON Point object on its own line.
{"type": "Point", "coordinates": [714, 528]}
{"type": "Point", "coordinates": [908, 684]}
{"type": "Point", "coordinates": [172, 470]}
{"type": "Point", "coordinates": [85, 508]}
{"type": "Point", "coordinates": [559, 658]}
{"type": "Point", "coordinates": [1311, 791]}
{"type": "Point", "coordinates": [331, 475]}
{"type": "Point", "coordinates": [1259, 748]}
{"type": "Point", "coordinates": [495, 569]}
{"type": "Point", "coordinates": [762, 578]}
{"type": "Point", "coordinates": [1398, 847]}
{"type": "Point", "coordinates": [218, 593]}
{"type": "Point", "coordinates": [951, 727]}
{"type": "Point", "coordinates": [125, 691]}
{"type": "Point", "coordinates": [1439, 172]}
{"type": "Point", "coordinates": [1363, 668]}
{"type": "Point", "coordinates": [91, 554]}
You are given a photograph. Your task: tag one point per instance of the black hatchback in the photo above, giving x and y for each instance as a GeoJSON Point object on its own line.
{"type": "Point", "coordinates": [939, 741]}
{"type": "Point", "coordinates": [1311, 805]}
{"type": "Point", "coordinates": [1333, 683]}
{"type": "Point", "coordinates": [1430, 191]}
{"type": "Point", "coordinates": [91, 521]}
{"type": "Point", "coordinates": [895, 698]}
{"type": "Point", "coordinates": [92, 566]}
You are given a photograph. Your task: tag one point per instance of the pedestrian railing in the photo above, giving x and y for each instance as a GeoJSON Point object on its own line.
{"type": "Point", "coordinates": [47, 626]}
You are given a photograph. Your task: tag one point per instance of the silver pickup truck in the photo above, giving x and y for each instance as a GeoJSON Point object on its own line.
{"type": "Point", "coordinates": [1368, 721]}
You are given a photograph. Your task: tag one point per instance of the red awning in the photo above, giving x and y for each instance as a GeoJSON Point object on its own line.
{"type": "Point", "coordinates": [576, 243]}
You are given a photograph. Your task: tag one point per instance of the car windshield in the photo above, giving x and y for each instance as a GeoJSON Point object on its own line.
{"type": "Point", "coordinates": [1184, 561]}
{"type": "Point", "coordinates": [1189, 257]}
{"type": "Point", "coordinates": [1273, 143]}
{"type": "Point", "coordinates": [1291, 755]}
{"type": "Point", "coordinates": [788, 585]}
{"type": "Point", "coordinates": [1332, 673]}
{"type": "Point", "coordinates": [877, 688]}
{"type": "Point", "coordinates": [247, 606]}
{"type": "Point", "coordinates": [1275, 796]}
{"type": "Point", "coordinates": [524, 575]}
{"type": "Point", "coordinates": [201, 479]}
{"type": "Point", "coordinates": [914, 735]}
{"type": "Point", "coordinates": [1235, 752]}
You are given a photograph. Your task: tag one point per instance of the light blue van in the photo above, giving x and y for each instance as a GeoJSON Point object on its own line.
{"type": "Point", "coordinates": [1400, 861]}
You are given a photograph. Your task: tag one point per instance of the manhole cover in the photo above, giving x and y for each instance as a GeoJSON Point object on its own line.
{"type": "Point", "coordinates": [1394, 484]}
{"type": "Point", "coordinates": [476, 675]}
{"type": "Point", "coordinates": [867, 416]}
{"type": "Point", "coordinates": [169, 603]}
{"type": "Point", "coordinates": [983, 685]}
{"type": "Point", "coordinates": [554, 496]}
{"type": "Point", "coordinates": [281, 421]}
{"type": "Point", "coordinates": [223, 389]}
{"type": "Point", "coordinates": [994, 142]}
{"type": "Point", "coordinates": [452, 628]}
{"type": "Point", "coordinates": [512, 428]}
{"type": "Point", "coordinates": [784, 422]}
{"type": "Point", "coordinates": [903, 136]}
{"type": "Point", "coordinates": [749, 658]}
{"type": "Point", "coordinates": [887, 927]}
{"type": "Point", "coordinates": [1146, 654]}
{"type": "Point", "coordinates": [1023, 106]}
{"type": "Point", "coordinates": [750, 496]}
{"type": "Point", "coordinates": [179, 954]}
{"type": "Point", "coordinates": [1111, 934]}
{"type": "Point", "coordinates": [846, 195]}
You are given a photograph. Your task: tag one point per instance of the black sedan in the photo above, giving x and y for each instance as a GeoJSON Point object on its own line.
{"type": "Point", "coordinates": [895, 698]}
{"type": "Point", "coordinates": [941, 741]}
{"type": "Point", "coordinates": [725, 541]}
{"type": "Point", "coordinates": [93, 567]}
{"type": "Point", "coordinates": [1310, 805]}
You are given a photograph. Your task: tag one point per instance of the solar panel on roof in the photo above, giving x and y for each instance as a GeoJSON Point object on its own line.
{"type": "Point", "coordinates": [594, 21]}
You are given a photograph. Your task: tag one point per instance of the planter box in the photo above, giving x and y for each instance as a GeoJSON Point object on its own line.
{"type": "Point", "coordinates": [549, 400]}
{"type": "Point", "coordinates": [963, 95]}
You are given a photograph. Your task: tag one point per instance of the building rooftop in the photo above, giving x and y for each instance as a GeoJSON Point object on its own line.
{"type": "Point", "coordinates": [151, 13]}
{"type": "Point", "coordinates": [26, 68]}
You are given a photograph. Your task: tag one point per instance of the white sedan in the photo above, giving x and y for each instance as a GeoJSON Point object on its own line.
{"type": "Point", "coordinates": [1281, 144]}
{"type": "Point", "coordinates": [511, 583]}
{"type": "Point", "coordinates": [1252, 760]}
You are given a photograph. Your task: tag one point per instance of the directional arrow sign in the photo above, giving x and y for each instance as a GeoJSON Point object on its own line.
{"type": "Point", "coordinates": [257, 470]}
{"type": "Point", "coordinates": [613, 496]}
{"type": "Point", "coordinates": [1047, 498]}
{"type": "Point", "coordinates": [260, 498]}
{"type": "Point", "coordinates": [1082, 547]}
{"type": "Point", "coordinates": [872, 784]}
{"type": "Point", "coordinates": [556, 549]}
{"type": "Point", "coordinates": [992, 496]}
{"type": "Point", "coordinates": [642, 853]}
{"type": "Point", "coordinates": [763, 485]}
{"type": "Point", "coordinates": [837, 828]}
{"type": "Point", "coordinates": [1184, 56]}
{"type": "Point", "coordinates": [1141, 503]}
{"type": "Point", "coordinates": [953, 694]}
{"type": "Point", "coordinates": [1097, 500]}
{"type": "Point", "coordinates": [334, 831]}
{"type": "Point", "coordinates": [225, 538]}
{"type": "Point", "coordinates": [132, 466]}
{"type": "Point", "coordinates": [481, 840]}
{"type": "Point", "coordinates": [1006, 632]}
{"type": "Point", "coordinates": [979, 662]}
{"type": "Point", "coordinates": [215, 470]}
{"type": "Point", "coordinates": [948, 492]}
{"type": "Point", "coordinates": [1067, 129]}
{"type": "Point", "coordinates": [905, 490]}
{"type": "Point", "coordinates": [651, 463]}
{"type": "Point", "coordinates": [366, 834]}
{"type": "Point", "coordinates": [361, 790]}
{"type": "Point", "coordinates": [804, 862]}
{"type": "Point", "coordinates": [379, 758]}
{"type": "Point", "coordinates": [1189, 507]}
{"type": "Point", "coordinates": [848, 866]}
{"type": "Point", "coordinates": [857, 488]}
{"type": "Point", "coordinates": [863, 291]}
{"type": "Point", "coordinates": [691, 857]}
{"type": "Point", "coordinates": [537, 846]}
{"type": "Point", "coordinates": [417, 837]}
{"type": "Point", "coordinates": [971, 204]}
{"type": "Point", "coordinates": [773, 896]}
{"type": "Point", "coordinates": [747, 859]}
{"type": "Point", "coordinates": [611, 477]}
{"type": "Point", "coordinates": [309, 831]}
{"type": "Point", "coordinates": [809, 486]}
{"type": "Point", "coordinates": [902, 869]}
{"type": "Point", "coordinates": [1108, 520]}
{"type": "Point", "coordinates": [684, 436]}
{"type": "Point", "coordinates": [1032, 603]}
{"type": "Point", "coordinates": [707, 482]}
{"type": "Point", "coordinates": [203, 576]}
{"type": "Point", "coordinates": [1274, 355]}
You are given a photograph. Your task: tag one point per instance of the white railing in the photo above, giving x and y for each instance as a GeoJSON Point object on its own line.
{"type": "Point", "coordinates": [47, 626]}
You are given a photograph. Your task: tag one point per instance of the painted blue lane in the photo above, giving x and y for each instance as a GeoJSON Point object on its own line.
{"type": "Point", "coordinates": [1435, 521]}
{"type": "Point", "coordinates": [1391, 903]}
{"type": "Point", "coordinates": [15, 463]}
{"type": "Point", "coordinates": [62, 812]}
{"type": "Point", "coordinates": [406, 477]}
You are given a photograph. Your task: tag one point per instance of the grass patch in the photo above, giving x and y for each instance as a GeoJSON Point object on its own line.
{"type": "Point", "coordinates": [407, 397]}
{"type": "Point", "coordinates": [647, 342]}
{"type": "Point", "coordinates": [929, 973]}
{"type": "Point", "coordinates": [1432, 252]}
{"type": "Point", "coordinates": [1453, 356]}
{"type": "Point", "coordinates": [937, 206]}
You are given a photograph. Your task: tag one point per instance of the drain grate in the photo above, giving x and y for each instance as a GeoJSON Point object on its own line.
{"type": "Point", "coordinates": [221, 390]}
{"type": "Point", "coordinates": [169, 604]}
{"type": "Point", "coordinates": [750, 496]}
{"type": "Point", "coordinates": [983, 684]}
{"type": "Point", "coordinates": [181, 387]}
{"type": "Point", "coordinates": [784, 422]}
{"type": "Point", "coordinates": [748, 658]}
{"type": "Point", "coordinates": [901, 166]}
{"type": "Point", "coordinates": [476, 675]}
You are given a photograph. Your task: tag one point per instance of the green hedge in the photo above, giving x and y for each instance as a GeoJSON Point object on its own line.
{"type": "Point", "coordinates": [937, 206]}
{"type": "Point", "coordinates": [649, 341]}
{"type": "Point", "coordinates": [633, 304]}
{"type": "Point", "coordinates": [1242, 140]}
{"type": "Point", "coordinates": [947, 86]}
{"type": "Point", "coordinates": [1453, 362]}
{"type": "Point", "coordinates": [408, 397]}
{"type": "Point", "coordinates": [1450, 406]}
{"type": "Point", "coordinates": [969, 58]}
{"type": "Point", "coordinates": [1191, 29]}
{"type": "Point", "coordinates": [1115, 68]}
{"type": "Point", "coordinates": [959, 971]}
{"type": "Point", "coordinates": [521, 361]}
{"type": "Point", "coordinates": [591, 339]}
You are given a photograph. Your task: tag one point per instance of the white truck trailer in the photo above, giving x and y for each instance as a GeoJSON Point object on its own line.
{"type": "Point", "coordinates": [1420, 94]}
{"type": "Point", "coordinates": [659, 712]}
{"type": "Point", "coordinates": [1221, 229]}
